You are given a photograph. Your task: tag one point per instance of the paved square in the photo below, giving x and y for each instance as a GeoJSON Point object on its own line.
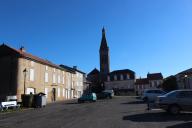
{"type": "Point", "coordinates": [120, 112]}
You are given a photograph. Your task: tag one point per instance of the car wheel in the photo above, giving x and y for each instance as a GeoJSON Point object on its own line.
{"type": "Point", "coordinates": [174, 109]}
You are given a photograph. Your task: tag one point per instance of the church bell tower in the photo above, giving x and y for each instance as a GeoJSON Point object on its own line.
{"type": "Point", "coordinates": [104, 57]}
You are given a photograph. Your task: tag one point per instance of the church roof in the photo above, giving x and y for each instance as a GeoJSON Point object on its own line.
{"type": "Point", "coordinates": [94, 72]}
{"type": "Point", "coordinates": [103, 41]}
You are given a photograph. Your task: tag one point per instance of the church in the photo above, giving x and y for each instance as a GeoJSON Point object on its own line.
{"type": "Point", "coordinates": [121, 81]}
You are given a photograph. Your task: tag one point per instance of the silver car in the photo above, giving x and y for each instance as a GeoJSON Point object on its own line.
{"type": "Point", "coordinates": [150, 95]}
{"type": "Point", "coordinates": [176, 101]}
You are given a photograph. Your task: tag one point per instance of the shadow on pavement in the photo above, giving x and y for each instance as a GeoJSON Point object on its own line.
{"type": "Point", "coordinates": [158, 117]}
{"type": "Point", "coordinates": [72, 103]}
{"type": "Point", "coordinates": [134, 102]}
{"type": "Point", "coordinates": [182, 125]}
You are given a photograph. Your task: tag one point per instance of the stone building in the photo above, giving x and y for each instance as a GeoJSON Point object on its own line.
{"type": "Point", "coordinates": [121, 81]}
{"type": "Point", "coordinates": [23, 73]}
{"type": "Point", "coordinates": [184, 79]}
{"type": "Point", "coordinates": [153, 80]}
{"type": "Point", "coordinates": [140, 85]}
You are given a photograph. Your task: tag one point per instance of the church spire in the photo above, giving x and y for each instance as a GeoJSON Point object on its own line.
{"type": "Point", "coordinates": [103, 31]}
{"type": "Point", "coordinates": [103, 41]}
{"type": "Point", "coordinates": [104, 57]}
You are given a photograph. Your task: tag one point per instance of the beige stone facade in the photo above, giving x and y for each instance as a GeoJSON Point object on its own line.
{"type": "Point", "coordinates": [39, 83]}
{"type": "Point", "coordinates": [24, 73]}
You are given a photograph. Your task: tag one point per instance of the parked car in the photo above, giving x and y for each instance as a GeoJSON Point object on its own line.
{"type": "Point", "coordinates": [110, 91]}
{"type": "Point", "coordinates": [90, 97]}
{"type": "Point", "coordinates": [176, 101]}
{"type": "Point", "coordinates": [151, 94]}
{"type": "Point", "coordinates": [104, 95]}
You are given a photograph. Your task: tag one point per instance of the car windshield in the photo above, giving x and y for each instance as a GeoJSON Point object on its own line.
{"type": "Point", "coordinates": [172, 93]}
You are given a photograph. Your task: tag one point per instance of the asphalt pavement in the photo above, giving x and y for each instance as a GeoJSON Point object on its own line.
{"type": "Point", "coordinates": [119, 112]}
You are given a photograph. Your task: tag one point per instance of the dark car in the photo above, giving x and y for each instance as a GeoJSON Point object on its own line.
{"type": "Point", "coordinates": [104, 95]}
{"type": "Point", "coordinates": [90, 97]}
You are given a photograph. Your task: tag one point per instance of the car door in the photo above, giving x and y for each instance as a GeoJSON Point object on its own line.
{"type": "Point", "coordinates": [188, 100]}
{"type": "Point", "coordinates": [156, 93]}
{"type": "Point", "coordinates": [184, 100]}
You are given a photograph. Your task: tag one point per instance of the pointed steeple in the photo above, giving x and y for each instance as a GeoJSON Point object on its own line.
{"type": "Point", "coordinates": [103, 41]}
{"type": "Point", "coordinates": [104, 57]}
{"type": "Point", "coordinates": [103, 31]}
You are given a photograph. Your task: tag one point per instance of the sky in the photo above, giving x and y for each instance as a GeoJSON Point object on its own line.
{"type": "Point", "coordinates": [143, 35]}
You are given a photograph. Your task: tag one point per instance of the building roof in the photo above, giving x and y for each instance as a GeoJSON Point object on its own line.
{"type": "Point", "coordinates": [154, 76]}
{"type": "Point", "coordinates": [4, 48]}
{"type": "Point", "coordinates": [122, 71]}
{"type": "Point", "coordinates": [186, 72]}
{"type": "Point", "coordinates": [142, 81]}
{"type": "Point", "coordinates": [94, 72]}
{"type": "Point", "coordinates": [71, 69]}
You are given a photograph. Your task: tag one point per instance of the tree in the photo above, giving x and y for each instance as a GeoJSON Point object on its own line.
{"type": "Point", "coordinates": [169, 84]}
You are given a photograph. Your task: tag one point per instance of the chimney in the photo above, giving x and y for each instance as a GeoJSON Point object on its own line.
{"type": "Point", "coordinates": [22, 49]}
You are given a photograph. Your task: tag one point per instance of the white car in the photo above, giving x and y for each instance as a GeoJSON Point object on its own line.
{"type": "Point", "coordinates": [151, 94]}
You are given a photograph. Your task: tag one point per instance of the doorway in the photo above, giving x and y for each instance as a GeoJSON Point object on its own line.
{"type": "Point", "coordinates": [54, 94]}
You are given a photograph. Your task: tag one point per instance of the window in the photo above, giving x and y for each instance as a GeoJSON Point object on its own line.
{"type": "Point", "coordinates": [73, 84]}
{"type": "Point", "coordinates": [121, 77]}
{"type": "Point", "coordinates": [46, 92]}
{"type": "Point", "coordinates": [54, 78]}
{"type": "Point", "coordinates": [128, 77]}
{"type": "Point", "coordinates": [31, 76]}
{"type": "Point", "coordinates": [46, 68]}
{"type": "Point", "coordinates": [46, 77]}
{"type": "Point", "coordinates": [32, 63]}
{"type": "Point", "coordinates": [185, 94]}
{"type": "Point", "coordinates": [115, 77]}
{"type": "Point", "coordinates": [59, 79]}
{"type": "Point", "coordinates": [58, 92]}
{"type": "Point", "coordinates": [63, 80]}
{"type": "Point", "coordinates": [63, 92]}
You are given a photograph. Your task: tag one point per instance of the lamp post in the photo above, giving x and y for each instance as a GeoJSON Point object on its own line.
{"type": "Point", "coordinates": [25, 74]}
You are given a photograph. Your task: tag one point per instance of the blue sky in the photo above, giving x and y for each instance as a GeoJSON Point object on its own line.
{"type": "Point", "coordinates": [143, 35]}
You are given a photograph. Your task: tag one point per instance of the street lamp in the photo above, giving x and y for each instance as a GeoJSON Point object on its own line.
{"type": "Point", "coordinates": [25, 74]}
{"type": "Point", "coordinates": [185, 84]}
